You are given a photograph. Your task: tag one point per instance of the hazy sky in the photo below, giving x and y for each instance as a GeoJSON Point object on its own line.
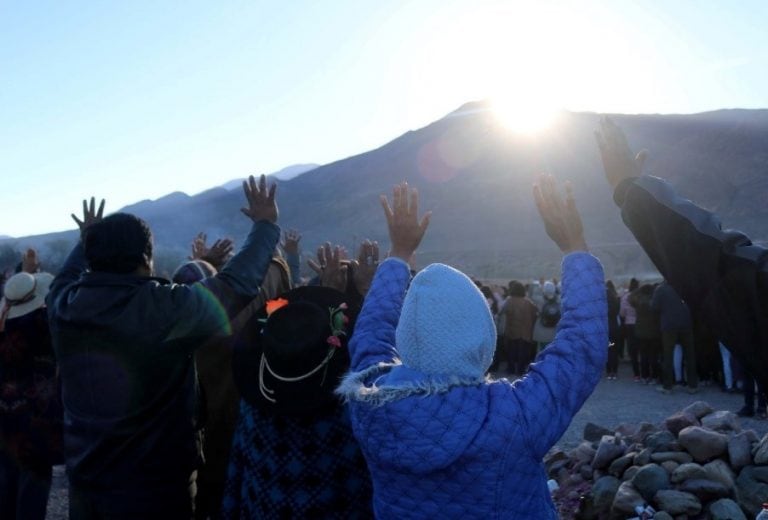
{"type": "Point", "coordinates": [133, 100]}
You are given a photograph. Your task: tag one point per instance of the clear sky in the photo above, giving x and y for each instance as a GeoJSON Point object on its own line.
{"type": "Point", "coordinates": [134, 100]}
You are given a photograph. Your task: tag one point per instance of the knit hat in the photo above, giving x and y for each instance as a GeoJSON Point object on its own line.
{"type": "Point", "coordinates": [24, 293]}
{"type": "Point", "coordinates": [193, 271]}
{"type": "Point", "coordinates": [445, 326]}
{"type": "Point", "coordinates": [291, 355]}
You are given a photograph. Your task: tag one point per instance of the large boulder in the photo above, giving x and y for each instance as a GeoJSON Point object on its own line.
{"type": "Point", "coordinates": [584, 452]}
{"type": "Point", "coordinates": [720, 471]}
{"type": "Point", "coordinates": [679, 421]}
{"type": "Point", "coordinates": [643, 458]}
{"type": "Point", "coordinates": [703, 444]}
{"type": "Point", "coordinates": [660, 441]}
{"type": "Point", "coordinates": [698, 409]}
{"type": "Point", "coordinates": [649, 480]}
{"type": "Point", "coordinates": [626, 500]}
{"type": "Point", "coordinates": [680, 457]}
{"type": "Point", "coordinates": [739, 451]}
{"type": "Point", "coordinates": [722, 421]}
{"type": "Point", "coordinates": [725, 509]}
{"type": "Point", "coordinates": [603, 493]}
{"type": "Point", "coordinates": [610, 448]}
{"type": "Point", "coordinates": [594, 432]}
{"type": "Point", "coordinates": [705, 489]}
{"type": "Point", "coordinates": [752, 488]}
{"type": "Point", "coordinates": [688, 471]}
{"type": "Point", "coordinates": [761, 454]}
{"type": "Point", "coordinates": [677, 502]}
{"type": "Point", "coordinates": [620, 465]}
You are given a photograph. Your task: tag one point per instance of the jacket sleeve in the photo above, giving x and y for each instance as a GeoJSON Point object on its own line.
{"type": "Point", "coordinates": [74, 266]}
{"type": "Point", "coordinates": [567, 371]}
{"type": "Point", "coordinates": [718, 272]}
{"type": "Point", "coordinates": [206, 308]}
{"type": "Point", "coordinates": [374, 338]}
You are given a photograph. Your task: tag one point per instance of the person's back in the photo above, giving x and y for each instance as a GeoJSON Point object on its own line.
{"type": "Point", "coordinates": [440, 439]}
{"type": "Point", "coordinates": [520, 313]}
{"type": "Point", "coordinates": [124, 341]}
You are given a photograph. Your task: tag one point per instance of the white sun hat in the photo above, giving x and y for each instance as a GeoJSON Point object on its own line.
{"type": "Point", "coordinates": [24, 293]}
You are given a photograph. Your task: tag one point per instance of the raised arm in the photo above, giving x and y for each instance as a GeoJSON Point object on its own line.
{"type": "Point", "coordinates": [374, 338]}
{"type": "Point", "coordinates": [567, 371]}
{"type": "Point", "coordinates": [291, 239]}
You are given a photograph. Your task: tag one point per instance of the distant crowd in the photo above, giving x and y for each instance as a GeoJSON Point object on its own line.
{"type": "Point", "coordinates": [375, 389]}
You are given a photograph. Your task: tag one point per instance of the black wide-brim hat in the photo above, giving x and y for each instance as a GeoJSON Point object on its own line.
{"type": "Point", "coordinates": [291, 354]}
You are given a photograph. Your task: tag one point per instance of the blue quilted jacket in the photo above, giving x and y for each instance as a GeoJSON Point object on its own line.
{"type": "Point", "coordinates": [441, 447]}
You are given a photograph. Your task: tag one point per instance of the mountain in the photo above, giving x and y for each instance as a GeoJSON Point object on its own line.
{"type": "Point", "coordinates": [476, 177]}
{"type": "Point", "coordinates": [286, 174]}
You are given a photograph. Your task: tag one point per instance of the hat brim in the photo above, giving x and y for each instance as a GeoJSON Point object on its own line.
{"type": "Point", "coordinates": [43, 281]}
{"type": "Point", "coordinates": [303, 398]}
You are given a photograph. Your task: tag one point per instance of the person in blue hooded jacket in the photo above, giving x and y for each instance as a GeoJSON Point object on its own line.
{"type": "Point", "coordinates": [441, 439]}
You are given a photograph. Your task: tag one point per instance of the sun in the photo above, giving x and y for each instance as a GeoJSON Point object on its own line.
{"type": "Point", "coordinates": [523, 114]}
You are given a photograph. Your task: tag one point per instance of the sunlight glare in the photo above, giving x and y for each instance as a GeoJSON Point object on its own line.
{"type": "Point", "coordinates": [523, 114]}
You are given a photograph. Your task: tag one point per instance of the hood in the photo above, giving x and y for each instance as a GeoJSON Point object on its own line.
{"type": "Point", "coordinates": [445, 325]}
{"type": "Point", "coordinates": [423, 423]}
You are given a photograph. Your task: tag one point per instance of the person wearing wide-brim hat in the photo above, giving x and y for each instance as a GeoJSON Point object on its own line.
{"type": "Point", "coordinates": [30, 399]}
{"type": "Point", "coordinates": [293, 453]}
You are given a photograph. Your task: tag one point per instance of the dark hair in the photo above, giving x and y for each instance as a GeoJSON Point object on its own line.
{"type": "Point", "coordinates": [121, 243]}
{"type": "Point", "coordinates": [633, 284]}
{"type": "Point", "coordinates": [516, 288]}
{"type": "Point", "coordinates": [489, 295]}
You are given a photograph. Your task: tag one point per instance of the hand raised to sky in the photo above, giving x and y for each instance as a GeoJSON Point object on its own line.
{"type": "Point", "coordinates": [560, 216]}
{"type": "Point", "coordinates": [262, 204]}
{"type": "Point", "coordinates": [90, 215]}
{"type": "Point", "coordinates": [405, 228]}
{"type": "Point", "coordinates": [618, 161]}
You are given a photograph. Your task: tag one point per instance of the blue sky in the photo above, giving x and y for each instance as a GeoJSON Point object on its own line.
{"type": "Point", "coordinates": [133, 100]}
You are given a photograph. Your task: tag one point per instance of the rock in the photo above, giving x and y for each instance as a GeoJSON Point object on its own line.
{"type": "Point", "coordinates": [669, 466]}
{"type": "Point", "coordinates": [603, 493]}
{"type": "Point", "coordinates": [609, 449]}
{"type": "Point", "coordinates": [643, 458]}
{"type": "Point", "coordinates": [584, 452]}
{"type": "Point", "coordinates": [643, 430]}
{"type": "Point", "coordinates": [680, 420]}
{"type": "Point", "coordinates": [625, 501]}
{"type": "Point", "coordinates": [586, 471]}
{"type": "Point", "coordinates": [677, 502]}
{"type": "Point", "coordinates": [554, 455]}
{"type": "Point", "coordinates": [725, 509]}
{"type": "Point", "coordinates": [739, 451]}
{"type": "Point", "coordinates": [761, 454]}
{"type": "Point", "coordinates": [752, 489]}
{"type": "Point", "coordinates": [688, 471]}
{"type": "Point", "coordinates": [752, 435]}
{"type": "Point", "coordinates": [722, 421]}
{"type": "Point", "coordinates": [630, 473]}
{"type": "Point", "coordinates": [660, 441]}
{"type": "Point", "coordinates": [627, 429]}
{"type": "Point", "coordinates": [719, 471]}
{"type": "Point", "coordinates": [702, 444]}
{"type": "Point", "coordinates": [594, 432]}
{"type": "Point", "coordinates": [663, 515]}
{"type": "Point", "coordinates": [554, 468]}
{"type": "Point", "coordinates": [620, 465]}
{"type": "Point", "coordinates": [678, 456]}
{"type": "Point", "coordinates": [698, 409]}
{"type": "Point", "coordinates": [705, 490]}
{"type": "Point", "coordinates": [650, 479]}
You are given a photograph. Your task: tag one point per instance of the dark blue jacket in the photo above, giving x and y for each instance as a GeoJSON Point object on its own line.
{"type": "Point", "coordinates": [124, 345]}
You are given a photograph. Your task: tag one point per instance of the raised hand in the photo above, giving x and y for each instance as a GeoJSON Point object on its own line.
{"type": "Point", "coordinates": [291, 240]}
{"type": "Point", "coordinates": [561, 218]}
{"type": "Point", "coordinates": [331, 266]}
{"type": "Point", "coordinates": [405, 229]}
{"type": "Point", "coordinates": [30, 262]}
{"type": "Point", "coordinates": [199, 248]}
{"type": "Point", "coordinates": [618, 161]}
{"type": "Point", "coordinates": [365, 266]}
{"type": "Point", "coordinates": [90, 215]}
{"type": "Point", "coordinates": [261, 202]}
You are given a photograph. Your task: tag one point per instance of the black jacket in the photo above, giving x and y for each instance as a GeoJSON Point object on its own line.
{"type": "Point", "coordinates": [719, 273]}
{"type": "Point", "coordinates": [124, 345]}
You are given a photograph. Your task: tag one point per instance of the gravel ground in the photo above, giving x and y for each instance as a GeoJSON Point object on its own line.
{"type": "Point", "coordinates": [612, 403]}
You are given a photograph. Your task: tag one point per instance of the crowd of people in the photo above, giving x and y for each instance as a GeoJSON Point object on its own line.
{"type": "Point", "coordinates": [233, 391]}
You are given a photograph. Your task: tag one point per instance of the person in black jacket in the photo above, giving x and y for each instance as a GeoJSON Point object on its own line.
{"type": "Point", "coordinates": [718, 272]}
{"type": "Point", "coordinates": [124, 343]}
